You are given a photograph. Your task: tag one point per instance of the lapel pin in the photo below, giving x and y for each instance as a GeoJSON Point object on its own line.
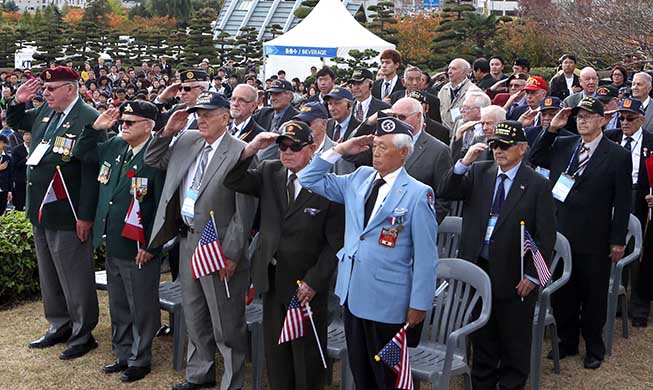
{"type": "Point", "coordinates": [522, 187]}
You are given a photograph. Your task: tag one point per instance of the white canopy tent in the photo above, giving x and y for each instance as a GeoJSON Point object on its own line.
{"type": "Point", "coordinates": [328, 31]}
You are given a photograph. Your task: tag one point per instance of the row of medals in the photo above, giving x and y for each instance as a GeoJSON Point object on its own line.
{"type": "Point", "coordinates": [63, 146]}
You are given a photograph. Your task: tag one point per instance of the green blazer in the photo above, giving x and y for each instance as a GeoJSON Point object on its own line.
{"type": "Point", "coordinates": [80, 177]}
{"type": "Point", "coordinates": [115, 197]}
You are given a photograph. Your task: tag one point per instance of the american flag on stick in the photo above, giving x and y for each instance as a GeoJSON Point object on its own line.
{"type": "Point", "coordinates": [395, 356]}
{"type": "Point", "coordinates": [208, 257]}
{"type": "Point", "coordinates": [543, 272]}
{"type": "Point", "coordinates": [293, 326]}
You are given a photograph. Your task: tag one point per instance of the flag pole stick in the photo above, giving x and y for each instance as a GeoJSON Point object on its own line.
{"type": "Point", "coordinates": [226, 284]}
{"type": "Point", "coordinates": [70, 201]}
{"type": "Point", "coordinates": [521, 250]}
{"type": "Point", "coordinates": [650, 192]}
{"type": "Point", "coordinates": [317, 338]}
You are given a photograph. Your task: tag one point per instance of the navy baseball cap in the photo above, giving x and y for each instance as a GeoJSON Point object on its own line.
{"type": "Point", "coordinates": [280, 86]}
{"type": "Point", "coordinates": [605, 93]}
{"type": "Point", "coordinates": [311, 111]}
{"type": "Point", "coordinates": [387, 125]}
{"type": "Point", "coordinates": [209, 101]}
{"type": "Point", "coordinates": [631, 105]}
{"type": "Point", "coordinates": [339, 92]}
{"type": "Point", "coordinates": [296, 131]}
{"type": "Point", "coordinates": [551, 103]}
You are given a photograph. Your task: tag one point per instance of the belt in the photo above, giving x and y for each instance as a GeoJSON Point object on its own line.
{"type": "Point", "coordinates": [635, 187]}
{"type": "Point", "coordinates": [185, 229]}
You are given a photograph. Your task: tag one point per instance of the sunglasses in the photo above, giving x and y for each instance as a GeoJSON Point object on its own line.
{"type": "Point", "coordinates": [403, 117]}
{"type": "Point", "coordinates": [127, 123]}
{"type": "Point", "coordinates": [624, 118]}
{"type": "Point", "coordinates": [294, 147]}
{"type": "Point", "coordinates": [188, 89]}
{"type": "Point", "coordinates": [500, 145]}
{"type": "Point", "coordinates": [516, 85]}
{"type": "Point", "coordinates": [50, 88]}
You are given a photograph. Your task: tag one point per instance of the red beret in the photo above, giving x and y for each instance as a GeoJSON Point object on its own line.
{"type": "Point", "coordinates": [59, 73]}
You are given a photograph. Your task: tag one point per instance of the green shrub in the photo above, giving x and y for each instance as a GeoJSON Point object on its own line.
{"type": "Point", "coordinates": [18, 271]}
{"type": "Point", "coordinates": [545, 72]}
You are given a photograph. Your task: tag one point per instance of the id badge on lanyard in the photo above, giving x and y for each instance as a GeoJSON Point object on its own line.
{"type": "Point", "coordinates": [491, 223]}
{"type": "Point", "coordinates": [188, 207]}
{"type": "Point", "coordinates": [563, 186]}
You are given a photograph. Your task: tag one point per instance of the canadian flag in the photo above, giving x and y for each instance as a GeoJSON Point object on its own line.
{"type": "Point", "coordinates": [56, 191]}
{"type": "Point", "coordinates": [134, 223]}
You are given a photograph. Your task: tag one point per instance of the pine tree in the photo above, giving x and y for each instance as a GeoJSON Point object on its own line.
{"type": "Point", "coordinates": [448, 41]}
{"type": "Point", "coordinates": [305, 8]}
{"type": "Point", "coordinates": [48, 37]}
{"type": "Point", "coordinates": [224, 44]}
{"type": "Point", "coordinates": [383, 21]}
{"type": "Point", "coordinates": [199, 41]}
{"type": "Point", "coordinates": [8, 46]}
{"type": "Point", "coordinates": [357, 59]}
{"type": "Point", "coordinates": [248, 47]}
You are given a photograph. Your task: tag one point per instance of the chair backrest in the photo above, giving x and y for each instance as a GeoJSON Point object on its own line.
{"type": "Point", "coordinates": [449, 232]}
{"type": "Point", "coordinates": [561, 252]}
{"type": "Point", "coordinates": [634, 233]}
{"type": "Point", "coordinates": [454, 309]}
{"type": "Point", "coordinates": [456, 209]}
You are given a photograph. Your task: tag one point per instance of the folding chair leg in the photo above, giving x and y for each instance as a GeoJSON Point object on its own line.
{"type": "Point", "coordinates": [536, 354]}
{"type": "Point", "coordinates": [555, 347]}
{"type": "Point", "coordinates": [178, 339]}
{"type": "Point", "coordinates": [624, 316]}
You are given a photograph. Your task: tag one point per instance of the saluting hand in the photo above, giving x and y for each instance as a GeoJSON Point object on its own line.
{"type": "Point", "coordinates": [170, 92]}
{"type": "Point", "coordinates": [474, 152]}
{"type": "Point", "coordinates": [27, 91]}
{"type": "Point", "coordinates": [526, 119]}
{"type": "Point", "coordinates": [462, 129]}
{"type": "Point", "coordinates": [176, 122]}
{"type": "Point", "coordinates": [107, 119]}
{"type": "Point", "coordinates": [559, 120]}
{"type": "Point", "coordinates": [260, 142]}
{"type": "Point", "coordinates": [355, 145]}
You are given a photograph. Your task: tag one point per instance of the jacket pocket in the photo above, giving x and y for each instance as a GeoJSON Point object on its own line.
{"type": "Point", "coordinates": [389, 276]}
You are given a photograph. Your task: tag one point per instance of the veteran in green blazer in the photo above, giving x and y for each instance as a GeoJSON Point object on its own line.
{"type": "Point", "coordinates": [61, 233]}
{"type": "Point", "coordinates": [128, 187]}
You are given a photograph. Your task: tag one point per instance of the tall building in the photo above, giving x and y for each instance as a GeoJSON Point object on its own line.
{"type": "Point", "coordinates": [497, 7]}
{"type": "Point", "coordinates": [33, 5]}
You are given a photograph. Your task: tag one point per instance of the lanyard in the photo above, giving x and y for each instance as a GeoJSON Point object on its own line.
{"type": "Point", "coordinates": [573, 156]}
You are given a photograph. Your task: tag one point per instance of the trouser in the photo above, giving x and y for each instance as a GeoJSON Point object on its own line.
{"type": "Point", "coordinates": [296, 364]}
{"type": "Point", "coordinates": [214, 322]}
{"type": "Point", "coordinates": [134, 309]}
{"type": "Point", "coordinates": [3, 202]}
{"type": "Point", "coordinates": [67, 283]}
{"type": "Point", "coordinates": [581, 304]}
{"type": "Point", "coordinates": [18, 198]}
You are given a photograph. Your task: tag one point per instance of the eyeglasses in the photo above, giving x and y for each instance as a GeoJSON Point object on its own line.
{"type": "Point", "coordinates": [50, 88]}
{"type": "Point", "coordinates": [403, 117]}
{"type": "Point", "coordinates": [240, 100]}
{"type": "Point", "coordinates": [127, 123]}
{"type": "Point", "coordinates": [516, 85]}
{"type": "Point", "coordinates": [294, 147]}
{"type": "Point", "coordinates": [624, 118]}
{"type": "Point", "coordinates": [188, 89]}
{"type": "Point", "coordinates": [503, 146]}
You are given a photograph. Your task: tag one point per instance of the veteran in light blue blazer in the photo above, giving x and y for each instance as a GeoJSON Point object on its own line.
{"type": "Point", "coordinates": [386, 270]}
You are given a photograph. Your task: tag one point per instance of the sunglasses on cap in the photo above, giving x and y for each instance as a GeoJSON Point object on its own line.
{"type": "Point", "coordinates": [188, 89]}
{"type": "Point", "coordinates": [294, 147]}
{"type": "Point", "coordinates": [501, 145]}
{"type": "Point", "coordinates": [123, 122]}
{"type": "Point", "coordinates": [629, 118]}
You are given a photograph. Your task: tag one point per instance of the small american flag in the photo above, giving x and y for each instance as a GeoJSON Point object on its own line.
{"type": "Point", "coordinates": [208, 256]}
{"type": "Point", "coordinates": [395, 356]}
{"type": "Point", "coordinates": [543, 273]}
{"type": "Point", "coordinates": [293, 326]}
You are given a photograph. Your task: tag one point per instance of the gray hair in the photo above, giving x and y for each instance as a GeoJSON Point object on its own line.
{"type": "Point", "coordinates": [647, 77]}
{"type": "Point", "coordinates": [498, 113]}
{"type": "Point", "coordinates": [415, 106]}
{"type": "Point", "coordinates": [251, 90]}
{"type": "Point", "coordinates": [401, 141]}
{"type": "Point", "coordinates": [411, 69]}
{"type": "Point", "coordinates": [481, 99]}
{"type": "Point", "coordinates": [465, 64]}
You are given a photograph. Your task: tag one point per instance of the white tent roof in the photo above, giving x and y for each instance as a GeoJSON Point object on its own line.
{"type": "Point", "coordinates": [331, 25]}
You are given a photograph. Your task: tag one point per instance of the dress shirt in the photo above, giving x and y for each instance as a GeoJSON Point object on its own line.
{"type": "Point", "coordinates": [645, 103]}
{"type": "Point", "coordinates": [238, 129]}
{"type": "Point", "coordinates": [384, 190]}
{"type": "Point", "coordinates": [392, 82]}
{"type": "Point", "coordinates": [320, 148]}
{"type": "Point", "coordinates": [635, 154]}
{"type": "Point", "coordinates": [343, 127]}
{"type": "Point", "coordinates": [570, 84]}
{"type": "Point", "coordinates": [592, 145]}
{"type": "Point", "coordinates": [365, 104]}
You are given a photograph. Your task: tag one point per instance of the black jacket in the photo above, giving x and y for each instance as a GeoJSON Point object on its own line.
{"type": "Point", "coordinates": [265, 116]}
{"type": "Point", "coordinates": [558, 87]}
{"type": "Point", "coordinates": [378, 85]}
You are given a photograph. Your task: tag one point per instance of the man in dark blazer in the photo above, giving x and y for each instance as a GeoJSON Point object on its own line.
{"type": "Point", "coordinates": [243, 103]}
{"type": "Point", "coordinates": [299, 236]}
{"type": "Point", "coordinates": [19, 175]}
{"type": "Point", "coordinates": [639, 144]}
{"type": "Point", "coordinates": [433, 126]}
{"type": "Point", "coordinates": [193, 82]}
{"type": "Point", "coordinates": [6, 171]}
{"type": "Point", "coordinates": [61, 236]}
{"type": "Point", "coordinates": [390, 82]}
{"type": "Point", "coordinates": [341, 124]}
{"type": "Point", "coordinates": [279, 112]}
{"type": "Point", "coordinates": [498, 195]}
{"type": "Point", "coordinates": [591, 179]}
{"type": "Point", "coordinates": [365, 105]}
{"type": "Point", "coordinates": [567, 82]}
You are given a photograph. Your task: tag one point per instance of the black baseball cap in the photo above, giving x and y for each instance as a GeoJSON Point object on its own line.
{"type": "Point", "coordinates": [509, 133]}
{"type": "Point", "coordinates": [387, 125]}
{"type": "Point", "coordinates": [209, 101]}
{"type": "Point", "coordinates": [297, 132]}
{"type": "Point", "coordinates": [361, 75]}
{"type": "Point", "coordinates": [193, 75]}
{"type": "Point", "coordinates": [420, 96]}
{"type": "Point", "coordinates": [605, 93]}
{"type": "Point", "coordinates": [139, 108]}
{"type": "Point", "coordinates": [589, 104]}
{"type": "Point", "coordinates": [280, 86]}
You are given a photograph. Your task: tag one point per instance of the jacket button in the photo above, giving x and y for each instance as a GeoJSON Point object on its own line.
{"type": "Point", "coordinates": [362, 238]}
{"type": "Point", "coordinates": [110, 203]}
{"type": "Point", "coordinates": [30, 183]}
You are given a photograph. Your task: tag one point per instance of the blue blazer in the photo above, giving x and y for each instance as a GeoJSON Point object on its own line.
{"type": "Point", "coordinates": [380, 283]}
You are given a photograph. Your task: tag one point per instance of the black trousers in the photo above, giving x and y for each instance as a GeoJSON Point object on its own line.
{"type": "Point", "coordinates": [19, 196]}
{"type": "Point", "coordinates": [3, 202]}
{"type": "Point", "coordinates": [582, 303]}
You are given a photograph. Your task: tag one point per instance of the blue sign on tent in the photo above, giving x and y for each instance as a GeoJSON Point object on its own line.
{"type": "Point", "coordinates": [301, 51]}
{"type": "Point", "coordinates": [431, 3]}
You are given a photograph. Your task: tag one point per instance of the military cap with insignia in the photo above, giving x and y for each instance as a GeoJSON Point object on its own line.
{"type": "Point", "coordinates": [338, 93]}
{"type": "Point", "coordinates": [631, 105]}
{"type": "Point", "coordinates": [605, 93]}
{"type": "Point", "coordinates": [59, 73]}
{"type": "Point", "coordinates": [361, 75]}
{"type": "Point", "coordinates": [280, 86]}
{"type": "Point", "coordinates": [509, 133]}
{"type": "Point", "coordinates": [589, 104]}
{"type": "Point", "coordinates": [517, 76]}
{"type": "Point", "coordinates": [535, 83]}
{"type": "Point", "coordinates": [140, 108]}
{"type": "Point", "coordinates": [312, 111]}
{"type": "Point", "coordinates": [387, 125]}
{"type": "Point", "coordinates": [551, 103]}
{"type": "Point", "coordinates": [297, 132]}
{"type": "Point", "coordinates": [209, 101]}
{"type": "Point", "coordinates": [420, 96]}
{"type": "Point", "coordinates": [190, 75]}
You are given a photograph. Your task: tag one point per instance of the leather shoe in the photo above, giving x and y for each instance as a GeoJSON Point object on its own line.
{"type": "Point", "coordinates": [192, 386]}
{"type": "Point", "coordinates": [591, 363]}
{"type": "Point", "coordinates": [78, 350]}
{"type": "Point", "coordinates": [133, 374]}
{"type": "Point", "coordinates": [48, 341]}
{"type": "Point", "coordinates": [114, 367]}
{"type": "Point", "coordinates": [563, 353]}
{"type": "Point", "coordinates": [639, 322]}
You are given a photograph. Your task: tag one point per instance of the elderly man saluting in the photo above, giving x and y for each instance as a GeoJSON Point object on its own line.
{"type": "Point", "coordinates": [386, 271]}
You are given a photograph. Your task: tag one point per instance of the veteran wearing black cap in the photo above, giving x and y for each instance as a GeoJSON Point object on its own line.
{"type": "Point", "coordinates": [279, 112]}
{"type": "Point", "coordinates": [549, 107]}
{"type": "Point", "coordinates": [591, 179]}
{"type": "Point", "coordinates": [389, 254]}
{"type": "Point", "coordinates": [132, 269]}
{"type": "Point", "coordinates": [365, 105]}
{"type": "Point", "coordinates": [497, 196]}
{"type": "Point", "coordinates": [299, 236]}
{"type": "Point", "coordinates": [61, 233]}
{"type": "Point", "coordinates": [609, 96]}
{"type": "Point", "coordinates": [194, 188]}
{"type": "Point", "coordinates": [185, 93]}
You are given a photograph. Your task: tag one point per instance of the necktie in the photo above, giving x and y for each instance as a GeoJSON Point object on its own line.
{"type": "Point", "coordinates": [583, 157]}
{"type": "Point", "coordinates": [275, 122]}
{"type": "Point", "coordinates": [336, 132]}
{"type": "Point", "coordinates": [500, 195]}
{"type": "Point", "coordinates": [291, 189]}
{"type": "Point", "coordinates": [359, 112]}
{"type": "Point", "coordinates": [199, 172]}
{"type": "Point", "coordinates": [386, 90]}
{"type": "Point", "coordinates": [125, 162]}
{"type": "Point", "coordinates": [371, 199]}
{"type": "Point", "coordinates": [628, 145]}
{"type": "Point", "coordinates": [52, 126]}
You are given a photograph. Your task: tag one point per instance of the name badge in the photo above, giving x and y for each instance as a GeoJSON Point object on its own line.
{"type": "Point", "coordinates": [188, 208]}
{"type": "Point", "coordinates": [105, 173]}
{"type": "Point", "coordinates": [490, 228]}
{"type": "Point", "coordinates": [38, 153]}
{"type": "Point", "coordinates": [455, 113]}
{"type": "Point", "coordinates": [543, 171]}
{"type": "Point", "coordinates": [388, 237]}
{"type": "Point", "coordinates": [562, 188]}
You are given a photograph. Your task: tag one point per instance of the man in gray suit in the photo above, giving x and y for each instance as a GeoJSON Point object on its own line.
{"type": "Point", "coordinates": [193, 189]}
{"type": "Point", "coordinates": [641, 88]}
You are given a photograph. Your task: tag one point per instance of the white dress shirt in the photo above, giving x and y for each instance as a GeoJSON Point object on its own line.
{"type": "Point", "coordinates": [635, 154]}
{"type": "Point", "coordinates": [384, 190]}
